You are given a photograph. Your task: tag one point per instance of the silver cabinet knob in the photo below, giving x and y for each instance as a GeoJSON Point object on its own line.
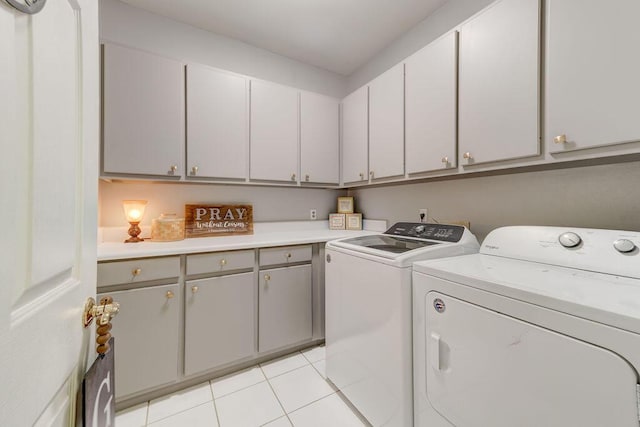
{"type": "Point", "coordinates": [624, 245]}
{"type": "Point", "coordinates": [306, 177]}
{"type": "Point", "coordinates": [361, 175]}
{"type": "Point", "coordinates": [371, 174]}
{"type": "Point", "coordinates": [170, 295]}
{"type": "Point", "coordinates": [288, 255]}
{"type": "Point", "coordinates": [293, 177]}
{"type": "Point", "coordinates": [194, 289]}
{"type": "Point", "coordinates": [560, 139]}
{"type": "Point", "coordinates": [445, 160]}
{"type": "Point", "coordinates": [136, 271]}
{"type": "Point", "coordinates": [194, 170]}
{"type": "Point", "coordinates": [173, 169]}
{"type": "Point", "coordinates": [267, 277]}
{"type": "Point", "coordinates": [467, 155]}
{"type": "Point", "coordinates": [223, 262]}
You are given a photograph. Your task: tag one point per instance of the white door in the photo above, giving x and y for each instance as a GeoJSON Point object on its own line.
{"type": "Point", "coordinates": [49, 129]}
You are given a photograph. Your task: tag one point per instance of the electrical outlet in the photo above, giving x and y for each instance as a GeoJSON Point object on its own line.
{"type": "Point", "coordinates": [422, 214]}
{"type": "Point", "coordinates": [313, 214]}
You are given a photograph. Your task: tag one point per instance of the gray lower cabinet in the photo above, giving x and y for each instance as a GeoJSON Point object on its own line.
{"type": "Point", "coordinates": [146, 338]}
{"type": "Point", "coordinates": [284, 307]}
{"type": "Point", "coordinates": [219, 321]}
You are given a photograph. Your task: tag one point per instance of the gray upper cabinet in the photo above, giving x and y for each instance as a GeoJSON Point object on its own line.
{"type": "Point", "coordinates": [319, 139]}
{"type": "Point", "coordinates": [217, 123]}
{"type": "Point", "coordinates": [431, 106]}
{"type": "Point", "coordinates": [499, 83]}
{"type": "Point", "coordinates": [143, 113]}
{"type": "Point", "coordinates": [355, 136]}
{"type": "Point", "coordinates": [274, 132]}
{"type": "Point", "coordinates": [592, 69]}
{"type": "Point", "coordinates": [386, 124]}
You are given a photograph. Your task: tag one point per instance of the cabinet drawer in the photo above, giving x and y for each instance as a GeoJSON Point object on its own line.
{"type": "Point", "coordinates": [138, 270]}
{"type": "Point", "coordinates": [285, 255]}
{"type": "Point", "coordinates": [219, 261]}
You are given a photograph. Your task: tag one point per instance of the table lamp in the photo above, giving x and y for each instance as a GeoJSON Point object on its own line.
{"type": "Point", "coordinates": [133, 211]}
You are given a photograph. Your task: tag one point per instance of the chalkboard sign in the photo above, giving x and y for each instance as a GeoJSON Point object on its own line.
{"type": "Point", "coordinates": [98, 389]}
{"type": "Point", "coordinates": [218, 220]}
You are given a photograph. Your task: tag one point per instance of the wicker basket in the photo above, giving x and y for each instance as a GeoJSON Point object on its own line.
{"type": "Point", "coordinates": [167, 228]}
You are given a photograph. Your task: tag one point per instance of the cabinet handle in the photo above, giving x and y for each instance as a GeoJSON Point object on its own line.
{"type": "Point", "coordinates": [136, 271]}
{"type": "Point", "coordinates": [445, 160]}
{"type": "Point", "coordinates": [288, 255]}
{"type": "Point", "coordinates": [194, 289]}
{"type": "Point", "coordinates": [194, 170]}
{"type": "Point", "coordinates": [170, 294]}
{"type": "Point", "coordinates": [223, 262]}
{"type": "Point", "coordinates": [173, 169]}
{"type": "Point", "coordinates": [267, 277]}
{"type": "Point", "coordinates": [560, 139]}
{"type": "Point", "coordinates": [371, 173]}
{"type": "Point", "coordinates": [306, 177]}
{"type": "Point", "coordinates": [467, 155]}
{"type": "Point", "coordinates": [293, 177]}
{"type": "Point", "coordinates": [361, 175]}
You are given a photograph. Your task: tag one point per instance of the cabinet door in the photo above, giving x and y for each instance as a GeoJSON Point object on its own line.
{"type": "Point", "coordinates": [284, 307]}
{"type": "Point", "coordinates": [146, 338]}
{"type": "Point", "coordinates": [386, 124]}
{"type": "Point", "coordinates": [319, 138]}
{"type": "Point", "coordinates": [274, 132]}
{"type": "Point", "coordinates": [217, 123]}
{"type": "Point", "coordinates": [431, 106]}
{"type": "Point", "coordinates": [499, 83]}
{"type": "Point", "coordinates": [355, 136]}
{"type": "Point", "coordinates": [143, 111]}
{"type": "Point", "coordinates": [592, 87]}
{"type": "Point", "coordinates": [219, 321]}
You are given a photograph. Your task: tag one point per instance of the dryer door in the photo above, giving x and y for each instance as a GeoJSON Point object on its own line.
{"type": "Point", "coordinates": [488, 369]}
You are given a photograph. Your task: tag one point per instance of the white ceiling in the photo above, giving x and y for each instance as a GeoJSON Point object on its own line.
{"type": "Point", "coordinates": [337, 35]}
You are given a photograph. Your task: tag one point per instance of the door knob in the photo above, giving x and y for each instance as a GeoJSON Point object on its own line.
{"type": "Point", "coordinates": [445, 160]}
{"type": "Point", "coordinates": [306, 177]}
{"type": "Point", "coordinates": [170, 295]}
{"type": "Point", "coordinates": [371, 173]}
{"type": "Point", "coordinates": [194, 289]}
{"type": "Point", "coordinates": [467, 155]}
{"type": "Point", "coordinates": [223, 262]}
{"type": "Point", "coordinates": [293, 177]}
{"type": "Point", "coordinates": [194, 170]}
{"type": "Point", "coordinates": [267, 277]}
{"type": "Point", "coordinates": [136, 271]}
{"type": "Point", "coordinates": [103, 313]}
{"type": "Point", "coordinates": [173, 169]}
{"type": "Point", "coordinates": [361, 175]}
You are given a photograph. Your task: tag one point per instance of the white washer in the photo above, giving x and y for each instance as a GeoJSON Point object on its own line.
{"type": "Point", "coordinates": [541, 328]}
{"type": "Point", "coordinates": [368, 314]}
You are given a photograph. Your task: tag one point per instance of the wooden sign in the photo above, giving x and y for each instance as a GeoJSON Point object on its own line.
{"type": "Point", "coordinates": [218, 220]}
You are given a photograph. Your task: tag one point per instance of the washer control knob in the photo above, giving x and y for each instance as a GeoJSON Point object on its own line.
{"type": "Point", "coordinates": [569, 239]}
{"type": "Point", "coordinates": [419, 229]}
{"type": "Point", "coordinates": [624, 245]}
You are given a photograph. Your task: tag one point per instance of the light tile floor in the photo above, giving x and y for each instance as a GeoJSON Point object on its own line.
{"type": "Point", "coordinates": [289, 391]}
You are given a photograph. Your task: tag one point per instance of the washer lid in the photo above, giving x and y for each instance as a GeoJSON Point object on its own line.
{"type": "Point", "coordinates": [604, 298]}
{"type": "Point", "coordinates": [392, 244]}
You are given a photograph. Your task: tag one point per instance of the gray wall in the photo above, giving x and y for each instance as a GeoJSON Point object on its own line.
{"type": "Point", "coordinates": [269, 203]}
{"type": "Point", "coordinates": [130, 26]}
{"type": "Point", "coordinates": [444, 19]}
{"type": "Point", "coordinates": [604, 196]}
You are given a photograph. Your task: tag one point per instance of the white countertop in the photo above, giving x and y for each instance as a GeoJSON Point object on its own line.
{"type": "Point", "coordinates": [111, 246]}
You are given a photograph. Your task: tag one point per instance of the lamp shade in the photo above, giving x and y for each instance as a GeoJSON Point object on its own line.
{"type": "Point", "coordinates": [134, 209]}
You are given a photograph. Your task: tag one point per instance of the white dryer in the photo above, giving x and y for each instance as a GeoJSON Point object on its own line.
{"type": "Point", "coordinates": [368, 314]}
{"type": "Point", "coordinates": [540, 328]}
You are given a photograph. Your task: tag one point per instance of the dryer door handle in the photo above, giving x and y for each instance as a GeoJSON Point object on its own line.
{"type": "Point", "coordinates": [435, 351]}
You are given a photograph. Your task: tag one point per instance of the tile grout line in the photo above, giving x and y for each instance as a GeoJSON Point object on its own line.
{"type": "Point", "coordinates": [146, 414]}
{"type": "Point", "coordinates": [277, 398]}
{"type": "Point", "coordinates": [213, 398]}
